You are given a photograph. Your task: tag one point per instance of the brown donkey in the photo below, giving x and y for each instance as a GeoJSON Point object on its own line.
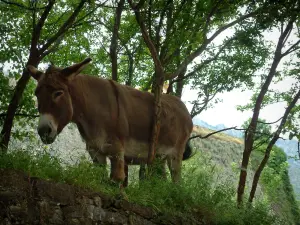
{"type": "Point", "coordinates": [114, 120]}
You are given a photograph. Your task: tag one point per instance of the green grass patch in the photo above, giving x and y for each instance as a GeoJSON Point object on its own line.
{"type": "Point", "coordinates": [197, 196]}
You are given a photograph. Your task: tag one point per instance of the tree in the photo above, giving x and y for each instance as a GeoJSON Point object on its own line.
{"type": "Point", "coordinates": [48, 30]}
{"type": "Point", "coordinates": [272, 142]}
{"type": "Point", "coordinates": [286, 15]}
{"type": "Point", "coordinates": [148, 44]}
{"type": "Point", "coordinates": [167, 63]}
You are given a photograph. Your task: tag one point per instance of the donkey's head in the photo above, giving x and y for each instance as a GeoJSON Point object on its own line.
{"type": "Point", "coordinates": [54, 100]}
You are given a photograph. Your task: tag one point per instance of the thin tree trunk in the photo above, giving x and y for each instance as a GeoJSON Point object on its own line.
{"type": "Point", "coordinates": [12, 108]}
{"type": "Point", "coordinates": [270, 146]}
{"type": "Point", "coordinates": [180, 83]}
{"type": "Point", "coordinates": [249, 139]}
{"type": "Point", "coordinates": [114, 41]}
{"type": "Point", "coordinates": [158, 81]}
{"type": "Point", "coordinates": [179, 87]}
{"type": "Point", "coordinates": [157, 91]}
{"type": "Point", "coordinates": [170, 88]}
{"type": "Point", "coordinates": [130, 70]}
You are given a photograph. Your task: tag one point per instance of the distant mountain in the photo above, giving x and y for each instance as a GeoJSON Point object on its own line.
{"type": "Point", "coordinates": [234, 133]}
{"type": "Point", "coordinates": [290, 147]}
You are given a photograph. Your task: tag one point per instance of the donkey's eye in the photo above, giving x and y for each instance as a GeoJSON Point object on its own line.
{"type": "Point", "coordinates": [56, 94]}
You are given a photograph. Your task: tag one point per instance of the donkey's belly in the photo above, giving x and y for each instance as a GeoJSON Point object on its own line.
{"type": "Point", "coordinates": [138, 151]}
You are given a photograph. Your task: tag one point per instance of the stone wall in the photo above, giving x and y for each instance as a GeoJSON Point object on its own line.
{"type": "Point", "coordinates": [28, 200]}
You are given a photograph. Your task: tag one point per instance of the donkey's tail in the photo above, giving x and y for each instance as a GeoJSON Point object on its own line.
{"type": "Point", "coordinates": [188, 152]}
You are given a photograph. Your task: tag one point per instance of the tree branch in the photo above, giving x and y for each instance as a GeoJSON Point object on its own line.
{"type": "Point", "coordinates": [205, 102]}
{"type": "Point", "coordinates": [88, 13]}
{"type": "Point", "coordinates": [261, 143]}
{"type": "Point", "coordinates": [208, 18]}
{"type": "Point", "coordinates": [291, 49]}
{"type": "Point", "coordinates": [205, 62]}
{"type": "Point", "coordinates": [63, 28]}
{"type": "Point", "coordinates": [53, 48]}
{"type": "Point", "coordinates": [21, 5]}
{"type": "Point", "coordinates": [169, 22]}
{"type": "Point", "coordinates": [200, 50]}
{"type": "Point", "coordinates": [286, 37]}
{"type": "Point", "coordinates": [210, 134]}
{"type": "Point", "coordinates": [146, 37]}
{"type": "Point", "coordinates": [258, 121]}
{"type": "Point", "coordinates": [158, 28]}
{"type": "Point", "coordinates": [36, 33]}
{"type": "Point", "coordinates": [21, 115]}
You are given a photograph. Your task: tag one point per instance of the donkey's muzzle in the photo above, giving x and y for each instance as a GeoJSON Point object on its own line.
{"type": "Point", "coordinates": [47, 129]}
{"type": "Point", "coordinates": [46, 134]}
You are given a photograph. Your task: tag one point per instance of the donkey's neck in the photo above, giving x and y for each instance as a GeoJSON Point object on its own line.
{"type": "Point", "coordinates": [91, 105]}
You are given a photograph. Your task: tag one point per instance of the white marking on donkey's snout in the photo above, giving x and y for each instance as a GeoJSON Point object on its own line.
{"type": "Point", "coordinates": [48, 120]}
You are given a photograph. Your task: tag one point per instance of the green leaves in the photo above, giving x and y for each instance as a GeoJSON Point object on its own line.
{"type": "Point", "coordinates": [177, 28]}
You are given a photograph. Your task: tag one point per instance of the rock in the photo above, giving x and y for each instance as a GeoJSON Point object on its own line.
{"type": "Point", "coordinates": [24, 200]}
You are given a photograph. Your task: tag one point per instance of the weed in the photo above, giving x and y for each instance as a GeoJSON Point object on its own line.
{"type": "Point", "coordinates": [196, 195]}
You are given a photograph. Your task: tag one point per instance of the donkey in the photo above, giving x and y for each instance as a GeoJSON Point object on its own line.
{"type": "Point", "coordinates": [114, 120]}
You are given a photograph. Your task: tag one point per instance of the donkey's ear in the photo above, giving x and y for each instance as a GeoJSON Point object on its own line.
{"type": "Point", "coordinates": [34, 72]}
{"type": "Point", "coordinates": [75, 69]}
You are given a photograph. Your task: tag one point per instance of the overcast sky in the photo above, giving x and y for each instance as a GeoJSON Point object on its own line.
{"type": "Point", "coordinates": [226, 113]}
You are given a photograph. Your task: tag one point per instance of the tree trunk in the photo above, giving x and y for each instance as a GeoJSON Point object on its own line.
{"type": "Point", "coordinates": [13, 105]}
{"type": "Point", "coordinates": [114, 41]}
{"type": "Point", "coordinates": [249, 138]}
{"type": "Point", "coordinates": [180, 84]}
{"type": "Point", "coordinates": [170, 88]}
{"type": "Point", "coordinates": [158, 80]}
{"type": "Point", "coordinates": [157, 91]}
{"type": "Point", "coordinates": [270, 146]}
{"type": "Point", "coordinates": [130, 71]}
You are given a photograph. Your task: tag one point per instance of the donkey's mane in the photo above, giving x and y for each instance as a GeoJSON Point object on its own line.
{"type": "Point", "coordinates": [52, 69]}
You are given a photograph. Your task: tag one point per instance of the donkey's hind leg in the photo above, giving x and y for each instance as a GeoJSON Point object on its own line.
{"type": "Point", "coordinates": [174, 164]}
{"type": "Point", "coordinates": [125, 183]}
{"type": "Point", "coordinates": [116, 155]}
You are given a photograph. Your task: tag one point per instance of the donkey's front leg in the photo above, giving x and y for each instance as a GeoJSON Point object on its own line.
{"type": "Point", "coordinates": [117, 161]}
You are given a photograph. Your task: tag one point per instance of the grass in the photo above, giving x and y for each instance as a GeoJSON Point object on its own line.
{"type": "Point", "coordinates": [197, 195]}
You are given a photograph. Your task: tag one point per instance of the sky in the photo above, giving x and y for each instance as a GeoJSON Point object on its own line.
{"type": "Point", "coordinates": [226, 112]}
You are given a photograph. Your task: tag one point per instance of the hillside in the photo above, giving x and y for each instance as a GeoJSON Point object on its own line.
{"type": "Point", "coordinates": [206, 194]}
{"type": "Point", "coordinates": [290, 147]}
{"type": "Point", "coordinates": [225, 152]}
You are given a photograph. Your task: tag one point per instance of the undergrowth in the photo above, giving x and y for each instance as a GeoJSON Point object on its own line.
{"type": "Point", "coordinates": [197, 195]}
